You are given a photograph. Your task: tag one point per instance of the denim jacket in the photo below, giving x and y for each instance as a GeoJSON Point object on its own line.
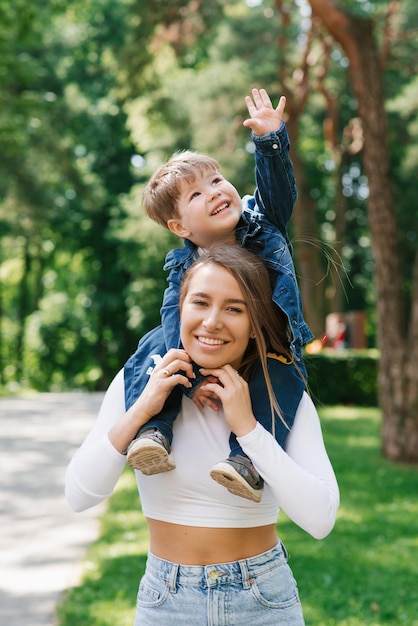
{"type": "Point", "coordinates": [261, 229]}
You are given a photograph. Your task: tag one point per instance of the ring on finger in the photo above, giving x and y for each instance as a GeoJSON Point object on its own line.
{"type": "Point", "coordinates": [166, 372]}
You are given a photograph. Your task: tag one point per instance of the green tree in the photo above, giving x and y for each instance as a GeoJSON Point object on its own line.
{"type": "Point", "coordinates": [67, 71]}
{"type": "Point", "coordinates": [95, 95]}
{"type": "Point", "coordinates": [65, 159]}
{"type": "Point", "coordinates": [396, 284]}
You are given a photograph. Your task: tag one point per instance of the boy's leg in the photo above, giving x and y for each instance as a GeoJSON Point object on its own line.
{"type": "Point", "coordinates": [195, 382]}
{"type": "Point", "coordinates": [237, 472]}
{"type": "Point", "coordinates": [288, 386]}
{"type": "Point", "coordinates": [239, 476]}
{"type": "Point", "coordinates": [150, 451]}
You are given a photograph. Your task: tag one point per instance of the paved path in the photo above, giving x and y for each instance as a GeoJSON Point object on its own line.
{"type": "Point", "coordinates": [41, 540]}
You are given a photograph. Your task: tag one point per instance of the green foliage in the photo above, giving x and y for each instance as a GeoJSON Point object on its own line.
{"type": "Point", "coordinates": [348, 579]}
{"type": "Point", "coordinates": [363, 574]}
{"type": "Point", "coordinates": [346, 377]}
{"type": "Point", "coordinates": [94, 96]}
{"type": "Point", "coordinates": [363, 8]}
{"type": "Point", "coordinates": [142, 249]}
{"type": "Point", "coordinates": [59, 334]}
{"type": "Point", "coordinates": [66, 160]}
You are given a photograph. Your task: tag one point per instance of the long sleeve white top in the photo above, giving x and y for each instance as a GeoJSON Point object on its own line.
{"type": "Point", "coordinates": [298, 479]}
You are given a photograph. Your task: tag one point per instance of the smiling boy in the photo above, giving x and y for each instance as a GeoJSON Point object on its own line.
{"type": "Point", "coordinates": [189, 196]}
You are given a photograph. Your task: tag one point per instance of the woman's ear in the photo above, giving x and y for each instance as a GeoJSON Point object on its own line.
{"type": "Point", "coordinates": [176, 227]}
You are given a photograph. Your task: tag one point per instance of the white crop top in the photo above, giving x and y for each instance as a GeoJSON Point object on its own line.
{"type": "Point", "coordinates": [300, 480]}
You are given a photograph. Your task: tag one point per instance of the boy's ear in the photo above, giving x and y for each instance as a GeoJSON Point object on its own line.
{"type": "Point", "coordinates": [176, 227]}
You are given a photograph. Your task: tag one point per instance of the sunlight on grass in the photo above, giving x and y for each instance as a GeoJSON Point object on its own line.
{"type": "Point", "coordinates": [364, 574]}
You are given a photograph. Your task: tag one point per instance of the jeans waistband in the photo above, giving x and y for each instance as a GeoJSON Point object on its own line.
{"type": "Point", "coordinates": [219, 573]}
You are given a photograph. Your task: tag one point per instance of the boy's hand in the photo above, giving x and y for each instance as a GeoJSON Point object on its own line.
{"type": "Point", "coordinates": [264, 118]}
{"type": "Point", "coordinates": [202, 396]}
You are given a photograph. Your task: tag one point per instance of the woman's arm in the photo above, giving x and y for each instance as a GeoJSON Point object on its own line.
{"type": "Point", "coordinates": [95, 468]}
{"type": "Point", "coordinates": [301, 477]}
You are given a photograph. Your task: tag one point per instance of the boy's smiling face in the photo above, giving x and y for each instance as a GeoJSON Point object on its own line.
{"type": "Point", "coordinates": [208, 210]}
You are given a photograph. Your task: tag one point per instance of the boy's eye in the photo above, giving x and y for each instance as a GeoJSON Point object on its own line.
{"type": "Point", "coordinates": [216, 180]}
{"type": "Point", "coordinates": [195, 194]}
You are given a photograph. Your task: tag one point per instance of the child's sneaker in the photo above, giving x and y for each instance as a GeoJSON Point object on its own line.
{"type": "Point", "coordinates": [149, 453]}
{"type": "Point", "coordinates": [240, 477]}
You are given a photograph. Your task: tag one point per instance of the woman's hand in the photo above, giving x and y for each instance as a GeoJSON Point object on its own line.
{"type": "Point", "coordinates": [232, 391]}
{"type": "Point", "coordinates": [175, 368]}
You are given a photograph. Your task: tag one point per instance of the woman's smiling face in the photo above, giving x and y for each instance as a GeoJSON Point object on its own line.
{"type": "Point", "coordinates": [215, 324]}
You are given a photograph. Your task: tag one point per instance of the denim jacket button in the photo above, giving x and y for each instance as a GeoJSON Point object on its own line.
{"type": "Point", "coordinates": [275, 146]}
{"type": "Point", "coordinates": [259, 244]}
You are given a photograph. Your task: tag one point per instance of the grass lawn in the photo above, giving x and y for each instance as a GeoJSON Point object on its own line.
{"type": "Point", "coordinates": [364, 573]}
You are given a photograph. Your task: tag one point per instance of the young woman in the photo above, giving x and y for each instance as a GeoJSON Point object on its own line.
{"type": "Point", "coordinates": [214, 557]}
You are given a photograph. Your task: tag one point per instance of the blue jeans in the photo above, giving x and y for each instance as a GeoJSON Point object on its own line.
{"type": "Point", "coordinates": [259, 591]}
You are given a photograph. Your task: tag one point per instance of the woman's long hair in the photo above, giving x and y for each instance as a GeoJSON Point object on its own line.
{"type": "Point", "coordinates": [268, 322]}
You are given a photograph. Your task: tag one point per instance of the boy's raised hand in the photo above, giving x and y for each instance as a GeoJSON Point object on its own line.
{"type": "Point", "coordinates": [264, 118]}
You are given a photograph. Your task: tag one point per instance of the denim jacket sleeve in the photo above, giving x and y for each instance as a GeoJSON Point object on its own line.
{"type": "Point", "coordinates": [176, 263]}
{"type": "Point", "coordinates": [276, 191]}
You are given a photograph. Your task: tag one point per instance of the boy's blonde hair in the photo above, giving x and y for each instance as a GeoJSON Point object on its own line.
{"type": "Point", "coordinates": [164, 187]}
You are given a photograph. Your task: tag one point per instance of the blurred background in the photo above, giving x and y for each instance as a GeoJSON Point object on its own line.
{"type": "Point", "coordinates": [95, 94]}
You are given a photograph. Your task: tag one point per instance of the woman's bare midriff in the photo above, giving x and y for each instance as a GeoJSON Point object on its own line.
{"type": "Point", "coordinates": [192, 545]}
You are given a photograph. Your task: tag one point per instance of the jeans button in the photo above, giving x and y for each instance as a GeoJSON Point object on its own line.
{"type": "Point", "coordinates": [213, 574]}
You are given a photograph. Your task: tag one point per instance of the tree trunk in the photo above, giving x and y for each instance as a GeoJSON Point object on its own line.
{"type": "Point", "coordinates": [398, 380]}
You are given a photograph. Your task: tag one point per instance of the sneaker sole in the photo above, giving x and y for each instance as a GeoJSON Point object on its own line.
{"type": "Point", "coordinates": [149, 458]}
{"type": "Point", "coordinates": [226, 476]}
